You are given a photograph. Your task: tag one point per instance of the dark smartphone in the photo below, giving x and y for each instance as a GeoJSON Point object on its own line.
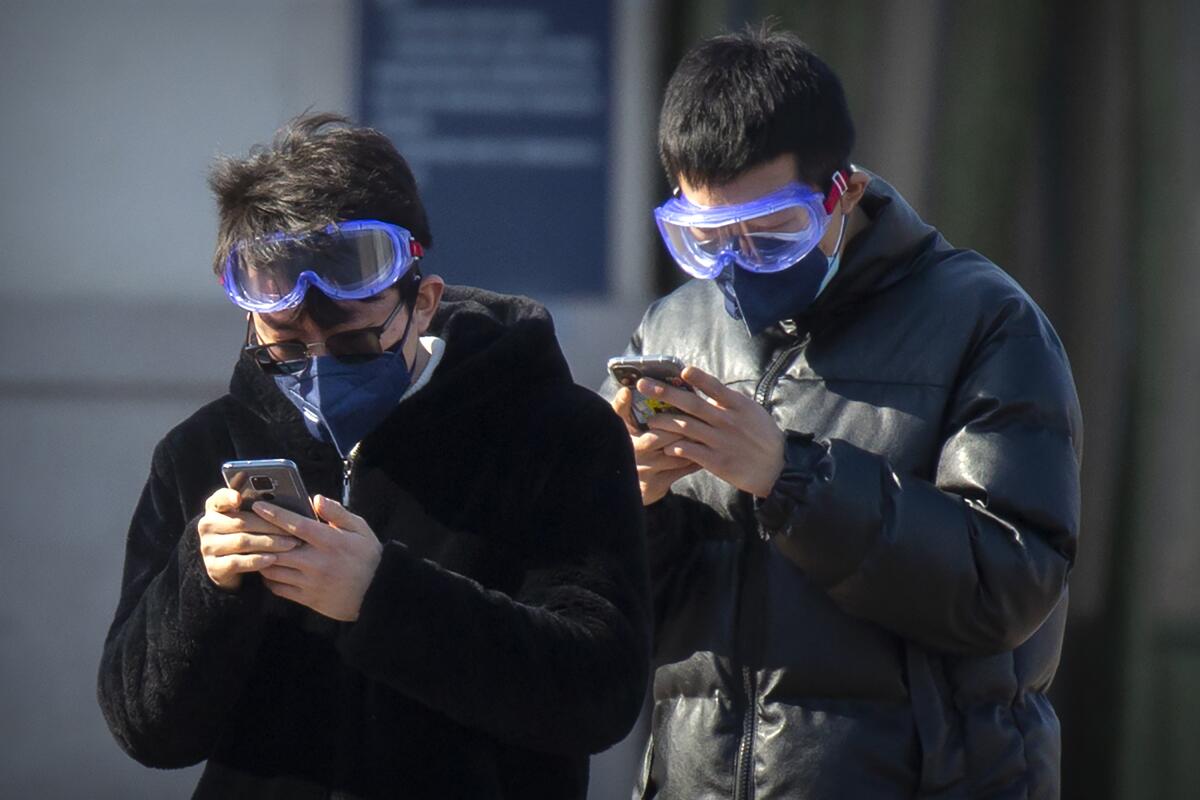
{"type": "Point", "coordinates": [626, 370]}
{"type": "Point", "coordinates": [276, 480]}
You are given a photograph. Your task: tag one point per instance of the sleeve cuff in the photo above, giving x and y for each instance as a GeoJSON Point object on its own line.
{"type": "Point", "coordinates": [806, 461]}
{"type": "Point", "coordinates": [198, 590]}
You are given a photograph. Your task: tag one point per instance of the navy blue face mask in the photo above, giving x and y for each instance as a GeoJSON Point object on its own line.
{"type": "Point", "coordinates": [762, 299]}
{"type": "Point", "coordinates": [341, 400]}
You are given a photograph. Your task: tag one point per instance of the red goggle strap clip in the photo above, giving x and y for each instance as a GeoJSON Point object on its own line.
{"type": "Point", "coordinates": [838, 187]}
{"type": "Point", "coordinates": [415, 249]}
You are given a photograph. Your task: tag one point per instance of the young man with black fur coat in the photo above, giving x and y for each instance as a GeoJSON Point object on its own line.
{"type": "Point", "coordinates": [471, 619]}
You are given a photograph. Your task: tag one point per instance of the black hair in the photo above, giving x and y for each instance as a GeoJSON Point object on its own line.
{"type": "Point", "coordinates": [317, 171]}
{"type": "Point", "coordinates": [741, 99]}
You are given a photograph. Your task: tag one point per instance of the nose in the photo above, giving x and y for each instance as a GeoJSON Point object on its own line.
{"type": "Point", "coordinates": [726, 260]}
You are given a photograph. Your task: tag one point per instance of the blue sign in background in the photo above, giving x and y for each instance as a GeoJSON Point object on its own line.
{"type": "Point", "coordinates": [502, 111]}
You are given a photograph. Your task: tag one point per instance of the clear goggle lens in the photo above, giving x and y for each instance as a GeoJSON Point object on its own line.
{"type": "Point", "coordinates": [350, 261]}
{"type": "Point", "coordinates": [764, 235]}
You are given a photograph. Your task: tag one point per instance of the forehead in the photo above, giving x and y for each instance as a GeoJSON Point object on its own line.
{"type": "Point", "coordinates": [750, 185]}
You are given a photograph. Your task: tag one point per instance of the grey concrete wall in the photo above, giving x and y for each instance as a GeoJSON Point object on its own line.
{"type": "Point", "coordinates": [114, 328]}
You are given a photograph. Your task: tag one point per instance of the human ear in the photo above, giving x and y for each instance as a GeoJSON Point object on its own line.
{"type": "Point", "coordinates": [856, 186]}
{"type": "Point", "coordinates": [429, 295]}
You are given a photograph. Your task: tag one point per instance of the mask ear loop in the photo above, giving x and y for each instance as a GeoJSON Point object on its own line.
{"type": "Point", "coordinates": [837, 248]}
{"type": "Point", "coordinates": [839, 186]}
{"type": "Point", "coordinates": [411, 313]}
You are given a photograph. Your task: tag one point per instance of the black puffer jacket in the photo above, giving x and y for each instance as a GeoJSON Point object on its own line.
{"type": "Point", "coordinates": [886, 624]}
{"type": "Point", "coordinates": [506, 632]}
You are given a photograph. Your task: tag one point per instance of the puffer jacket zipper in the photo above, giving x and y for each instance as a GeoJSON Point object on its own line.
{"type": "Point", "coordinates": [766, 384]}
{"type": "Point", "coordinates": [745, 758]}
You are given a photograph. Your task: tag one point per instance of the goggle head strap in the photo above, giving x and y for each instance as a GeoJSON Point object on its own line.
{"type": "Point", "coordinates": [838, 186]}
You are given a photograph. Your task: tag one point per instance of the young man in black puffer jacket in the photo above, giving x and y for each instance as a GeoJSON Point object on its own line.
{"type": "Point", "coordinates": [471, 618]}
{"type": "Point", "coordinates": [862, 523]}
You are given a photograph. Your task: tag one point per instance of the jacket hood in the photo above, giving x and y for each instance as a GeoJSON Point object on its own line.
{"type": "Point", "coordinates": [495, 344]}
{"type": "Point", "coordinates": [507, 341]}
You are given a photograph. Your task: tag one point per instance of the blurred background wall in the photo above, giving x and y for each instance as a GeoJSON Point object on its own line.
{"type": "Point", "coordinates": [1056, 137]}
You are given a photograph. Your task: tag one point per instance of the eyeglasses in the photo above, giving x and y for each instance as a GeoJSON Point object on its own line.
{"type": "Point", "coordinates": [291, 356]}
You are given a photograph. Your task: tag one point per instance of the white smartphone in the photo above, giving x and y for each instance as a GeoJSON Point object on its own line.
{"type": "Point", "coordinates": [275, 480]}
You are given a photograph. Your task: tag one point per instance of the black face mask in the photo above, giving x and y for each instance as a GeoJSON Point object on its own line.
{"type": "Point", "coordinates": [762, 299]}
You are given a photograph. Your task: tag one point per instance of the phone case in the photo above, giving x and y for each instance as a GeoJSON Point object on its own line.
{"type": "Point", "coordinates": [626, 370]}
{"type": "Point", "coordinates": [275, 480]}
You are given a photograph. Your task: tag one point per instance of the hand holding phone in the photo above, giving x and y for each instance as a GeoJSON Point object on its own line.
{"type": "Point", "coordinates": [233, 541]}
{"type": "Point", "coordinates": [340, 554]}
{"type": "Point", "coordinates": [628, 370]}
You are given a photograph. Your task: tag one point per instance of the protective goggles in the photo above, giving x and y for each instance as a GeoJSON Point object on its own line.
{"type": "Point", "coordinates": [347, 261]}
{"type": "Point", "coordinates": [767, 234]}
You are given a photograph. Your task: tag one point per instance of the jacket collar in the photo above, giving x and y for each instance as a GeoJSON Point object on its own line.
{"type": "Point", "coordinates": [495, 345]}
{"type": "Point", "coordinates": [894, 245]}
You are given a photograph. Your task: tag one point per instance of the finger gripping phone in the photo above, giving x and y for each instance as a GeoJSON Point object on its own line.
{"type": "Point", "coordinates": [275, 480]}
{"type": "Point", "coordinates": [627, 370]}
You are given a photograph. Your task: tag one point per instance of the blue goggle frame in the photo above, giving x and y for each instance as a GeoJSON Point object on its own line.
{"type": "Point", "coordinates": [374, 254]}
{"type": "Point", "coordinates": [681, 223]}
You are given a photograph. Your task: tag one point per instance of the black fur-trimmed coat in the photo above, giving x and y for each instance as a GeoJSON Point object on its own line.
{"type": "Point", "coordinates": [503, 638]}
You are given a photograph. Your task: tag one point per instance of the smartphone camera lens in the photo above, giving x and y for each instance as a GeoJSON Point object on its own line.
{"type": "Point", "coordinates": [261, 483]}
